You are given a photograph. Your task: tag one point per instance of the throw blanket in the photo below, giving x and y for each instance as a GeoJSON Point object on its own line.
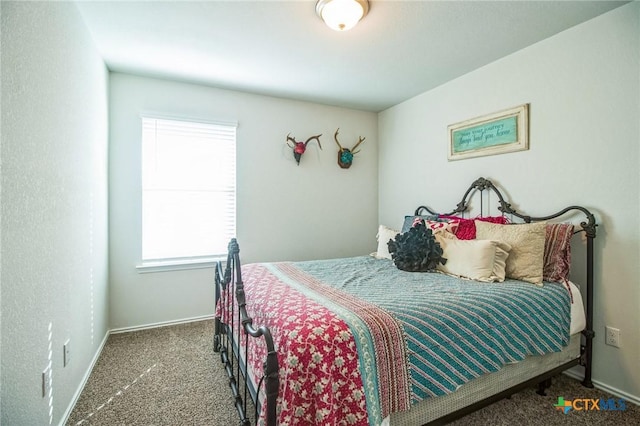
{"type": "Point", "coordinates": [358, 339]}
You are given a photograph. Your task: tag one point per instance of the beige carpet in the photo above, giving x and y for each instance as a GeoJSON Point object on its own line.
{"type": "Point", "coordinates": [170, 376]}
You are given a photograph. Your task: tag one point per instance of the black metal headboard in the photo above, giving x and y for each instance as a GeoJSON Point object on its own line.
{"type": "Point", "coordinates": [482, 184]}
{"type": "Point", "coordinates": [588, 226]}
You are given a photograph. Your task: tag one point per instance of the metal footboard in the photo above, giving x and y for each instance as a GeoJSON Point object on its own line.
{"type": "Point", "coordinates": [231, 339]}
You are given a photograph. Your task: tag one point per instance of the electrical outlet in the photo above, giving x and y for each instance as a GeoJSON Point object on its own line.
{"type": "Point", "coordinates": [46, 381]}
{"type": "Point", "coordinates": [66, 355]}
{"type": "Point", "coordinates": [612, 337]}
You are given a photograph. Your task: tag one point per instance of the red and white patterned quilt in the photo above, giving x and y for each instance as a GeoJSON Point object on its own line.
{"type": "Point", "coordinates": [342, 360]}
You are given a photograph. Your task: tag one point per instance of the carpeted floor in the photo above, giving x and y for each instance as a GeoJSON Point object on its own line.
{"type": "Point", "coordinates": [170, 376]}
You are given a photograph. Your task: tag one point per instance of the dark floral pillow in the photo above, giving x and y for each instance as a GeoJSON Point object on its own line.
{"type": "Point", "coordinates": [416, 250]}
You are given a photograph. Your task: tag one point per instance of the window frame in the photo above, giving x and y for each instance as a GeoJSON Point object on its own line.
{"type": "Point", "coordinates": [179, 263]}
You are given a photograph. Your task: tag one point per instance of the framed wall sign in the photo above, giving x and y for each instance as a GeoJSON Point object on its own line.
{"type": "Point", "coordinates": [497, 133]}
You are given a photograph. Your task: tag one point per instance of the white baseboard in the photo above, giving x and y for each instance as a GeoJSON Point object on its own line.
{"type": "Point", "coordinates": [161, 324]}
{"type": "Point", "coordinates": [603, 386]}
{"type": "Point", "coordinates": [76, 396]}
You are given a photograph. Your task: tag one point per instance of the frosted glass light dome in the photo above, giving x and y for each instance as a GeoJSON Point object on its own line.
{"type": "Point", "coordinates": [342, 15]}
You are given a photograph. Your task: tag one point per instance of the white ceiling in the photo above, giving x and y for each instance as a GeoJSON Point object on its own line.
{"type": "Point", "coordinates": [281, 48]}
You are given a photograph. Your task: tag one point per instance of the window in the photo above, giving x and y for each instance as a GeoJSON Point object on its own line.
{"type": "Point", "coordinates": [188, 190]}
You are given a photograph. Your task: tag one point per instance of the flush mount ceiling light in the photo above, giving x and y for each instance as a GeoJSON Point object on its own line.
{"type": "Point", "coordinates": [342, 15]}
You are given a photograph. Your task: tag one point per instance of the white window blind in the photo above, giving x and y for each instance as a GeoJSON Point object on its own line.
{"type": "Point", "coordinates": [188, 189]}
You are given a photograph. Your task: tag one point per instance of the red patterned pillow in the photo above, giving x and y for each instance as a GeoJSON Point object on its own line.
{"type": "Point", "coordinates": [557, 252]}
{"type": "Point", "coordinates": [467, 227]}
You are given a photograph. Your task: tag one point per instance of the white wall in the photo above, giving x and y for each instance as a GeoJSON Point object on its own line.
{"type": "Point", "coordinates": [54, 207]}
{"type": "Point", "coordinates": [583, 87]}
{"type": "Point", "coordinates": [284, 211]}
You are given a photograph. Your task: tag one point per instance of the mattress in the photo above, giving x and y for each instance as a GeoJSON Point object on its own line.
{"type": "Point", "coordinates": [578, 320]}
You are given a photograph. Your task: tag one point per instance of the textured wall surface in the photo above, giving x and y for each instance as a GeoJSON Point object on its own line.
{"type": "Point", "coordinates": [583, 86]}
{"type": "Point", "coordinates": [284, 211]}
{"type": "Point", "coordinates": [54, 207]}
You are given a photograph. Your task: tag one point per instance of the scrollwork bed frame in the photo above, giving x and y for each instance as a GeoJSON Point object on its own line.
{"type": "Point", "coordinates": [236, 365]}
{"type": "Point", "coordinates": [232, 343]}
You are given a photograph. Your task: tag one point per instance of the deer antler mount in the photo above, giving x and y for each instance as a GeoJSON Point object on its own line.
{"type": "Point", "coordinates": [300, 147]}
{"type": "Point", "coordinates": [345, 155]}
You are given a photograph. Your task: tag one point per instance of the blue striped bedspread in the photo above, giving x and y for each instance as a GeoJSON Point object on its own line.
{"type": "Point", "coordinates": [455, 330]}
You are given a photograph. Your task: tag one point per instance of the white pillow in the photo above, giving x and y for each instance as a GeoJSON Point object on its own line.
{"type": "Point", "coordinates": [384, 235]}
{"type": "Point", "coordinates": [480, 260]}
{"type": "Point", "coordinates": [526, 259]}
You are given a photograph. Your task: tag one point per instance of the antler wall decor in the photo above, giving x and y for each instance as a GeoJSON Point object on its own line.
{"type": "Point", "coordinates": [300, 147]}
{"type": "Point", "coordinates": [345, 155]}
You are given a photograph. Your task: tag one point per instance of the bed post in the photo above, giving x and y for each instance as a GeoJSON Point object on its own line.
{"type": "Point", "coordinates": [221, 280]}
{"type": "Point", "coordinates": [590, 230]}
{"type": "Point", "coordinates": [217, 324]}
{"type": "Point", "coordinates": [231, 282]}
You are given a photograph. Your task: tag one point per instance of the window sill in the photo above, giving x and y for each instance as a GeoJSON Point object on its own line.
{"type": "Point", "coordinates": [177, 264]}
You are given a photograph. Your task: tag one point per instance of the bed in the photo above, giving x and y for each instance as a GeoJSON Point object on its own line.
{"type": "Point", "coordinates": [360, 341]}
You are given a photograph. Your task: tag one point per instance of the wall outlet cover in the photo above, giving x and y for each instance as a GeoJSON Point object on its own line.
{"type": "Point", "coordinates": [46, 382]}
{"type": "Point", "coordinates": [612, 337]}
{"type": "Point", "coordinates": [66, 353]}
